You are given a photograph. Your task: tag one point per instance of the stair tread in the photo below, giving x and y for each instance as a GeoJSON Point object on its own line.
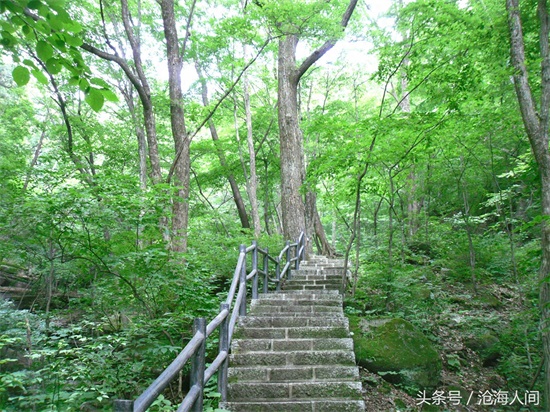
{"type": "Point", "coordinates": [285, 405]}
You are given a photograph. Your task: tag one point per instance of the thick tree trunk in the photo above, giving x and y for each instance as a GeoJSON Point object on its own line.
{"type": "Point", "coordinates": [180, 202]}
{"type": "Point", "coordinates": [291, 145]}
{"type": "Point", "coordinates": [536, 126]}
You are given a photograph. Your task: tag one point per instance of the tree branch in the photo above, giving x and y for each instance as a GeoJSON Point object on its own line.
{"type": "Point", "coordinates": [187, 31]}
{"type": "Point", "coordinates": [218, 103]}
{"type": "Point", "coordinates": [329, 44]}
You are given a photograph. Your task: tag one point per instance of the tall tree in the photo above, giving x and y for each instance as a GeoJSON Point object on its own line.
{"type": "Point", "coordinates": [291, 142]}
{"type": "Point", "coordinates": [536, 120]}
{"type": "Point", "coordinates": [182, 162]}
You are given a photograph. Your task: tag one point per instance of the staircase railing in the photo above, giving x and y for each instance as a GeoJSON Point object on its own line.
{"type": "Point", "coordinates": [233, 307]}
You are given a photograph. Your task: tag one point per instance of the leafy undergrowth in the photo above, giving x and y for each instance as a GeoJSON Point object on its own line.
{"type": "Point", "coordinates": [487, 340]}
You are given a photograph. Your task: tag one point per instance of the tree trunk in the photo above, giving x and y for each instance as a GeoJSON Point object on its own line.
{"type": "Point", "coordinates": [180, 202]}
{"type": "Point", "coordinates": [237, 197]}
{"type": "Point", "coordinates": [142, 142]}
{"type": "Point", "coordinates": [462, 187]}
{"type": "Point", "coordinates": [35, 157]}
{"type": "Point", "coordinates": [252, 186]}
{"type": "Point", "coordinates": [144, 92]}
{"type": "Point", "coordinates": [291, 145]}
{"type": "Point", "coordinates": [536, 126]}
{"type": "Point", "coordinates": [315, 227]}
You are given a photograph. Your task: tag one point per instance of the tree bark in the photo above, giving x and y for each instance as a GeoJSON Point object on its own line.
{"type": "Point", "coordinates": [536, 126]}
{"type": "Point", "coordinates": [142, 141]}
{"type": "Point", "coordinates": [252, 186]}
{"type": "Point", "coordinates": [291, 144]}
{"type": "Point", "coordinates": [144, 91]}
{"type": "Point", "coordinates": [35, 158]}
{"type": "Point", "coordinates": [180, 205]}
{"type": "Point", "coordinates": [315, 226]}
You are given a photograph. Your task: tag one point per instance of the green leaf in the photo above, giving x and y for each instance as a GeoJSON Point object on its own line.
{"type": "Point", "coordinates": [95, 99]}
{"type": "Point", "coordinates": [83, 84]}
{"type": "Point", "coordinates": [44, 50]}
{"type": "Point", "coordinates": [99, 82]}
{"type": "Point", "coordinates": [34, 5]}
{"type": "Point", "coordinates": [63, 15]}
{"type": "Point", "coordinates": [21, 75]}
{"type": "Point", "coordinates": [7, 39]}
{"type": "Point", "coordinates": [73, 40]}
{"type": "Point", "coordinates": [29, 63]}
{"type": "Point", "coordinates": [39, 76]}
{"type": "Point", "coordinates": [58, 40]}
{"type": "Point", "coordinates": [53, 65]}
{"type": "Point", "coordinates": [74, 81]}
{"type": "Point", "coordinates": [27, 32]}
{"type": "Point", "coordinates": [73, 27]}
{"type": "Point", "coordinates": [109, 95]}
{"type": "Point", "coordinates": [55, 22]}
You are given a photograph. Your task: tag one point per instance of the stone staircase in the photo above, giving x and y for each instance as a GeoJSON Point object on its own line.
{"type": "Point", "coordinates": [293, 352]}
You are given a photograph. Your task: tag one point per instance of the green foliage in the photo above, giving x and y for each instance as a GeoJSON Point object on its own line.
{"type": "Point", "coordinates": [77, 221]}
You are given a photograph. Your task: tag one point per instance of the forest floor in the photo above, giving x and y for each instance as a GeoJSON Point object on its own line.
{"type": "Point", "coordinates": [474, 375]}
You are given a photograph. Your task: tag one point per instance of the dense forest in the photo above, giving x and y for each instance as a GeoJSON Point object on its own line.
{"type": "Point", "coordinates": [141, 142]}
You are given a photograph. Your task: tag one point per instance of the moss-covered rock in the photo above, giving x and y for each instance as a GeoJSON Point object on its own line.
{"type": "Point", "coordinates": [487, 345]}
{"type": "Point", "coordinates": [397, 351]}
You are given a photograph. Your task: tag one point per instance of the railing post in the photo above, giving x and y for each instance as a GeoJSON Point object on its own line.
{"type": "Point", "coordinates": [266, 268]}
{"type": "Point", "coordinates": [278, 273]}
{"type": "Point", "coordinates": [224, 346]}
{"type": "Point", "coordinates": [288, 259]}
{"type": "Point", "coordinates": [242, 308]}
{"type": "Point", "coordinates": [296, 251]}
{"type": "Point", "coordinates": [122, 405]}
{"type": "Point", "coordinates": [298, 248]}
{"type": "Point", "coordinates": [255, 267]}
{"type": "Point", "coordinates": [197, 367]}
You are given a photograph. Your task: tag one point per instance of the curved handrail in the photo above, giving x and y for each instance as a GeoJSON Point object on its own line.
{"type": "Point", "coordinates": [226, 320]}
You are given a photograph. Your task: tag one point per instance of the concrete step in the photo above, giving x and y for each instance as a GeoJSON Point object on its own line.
{"type": "Point", "coordinates": [311, 295]}
{"type": "Point", "coordinates": [294, 310]}
{"type": "Point", "coordinates": [318, 270]}
{"type": "Point", "coordinates": [313, 280]}
{"type": "Point", "coordinates": [292, 286]}
{"type": "Point", "coordinates": [292, 321]}
{"type": "Point", "coordinates": [284, 405]}
{"type": "Point", "coordinates": [294, 358]}
{"type": "Point", "coordinates": [315, 292]}
{"type": "Point", "coordinates": [299, 275]}
{"type": "Point", "coordinates": [302, 332]}
{"type": "Point", "coordinates": [293, 373]}
{"type": "Point", "coordinates": [298, 298]}
{"type": "Point", "coordinates": [286, 390]}
{"type": "Point", "coordinates": [285, 345]}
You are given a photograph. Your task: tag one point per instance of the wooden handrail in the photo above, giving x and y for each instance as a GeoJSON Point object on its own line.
{"type": "Point", "coordinates": [225, 321]}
